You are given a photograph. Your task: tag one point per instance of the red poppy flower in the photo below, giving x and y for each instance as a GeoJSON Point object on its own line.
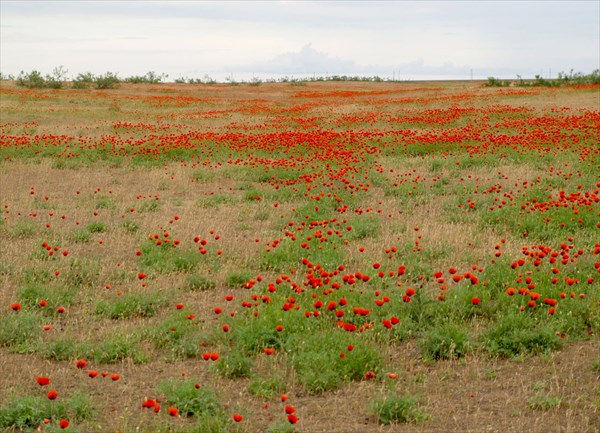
{"type": "Point", "coordinates": [52, 395]}
{"type": "Point", "coordinates": [92, 373]}
{"type": "Point", "coordinates": [369, 375]}
{"type": "Point", "coordinates": [81, 363]}
{"type": "Point", "coordinates": [16, 307]}
{"type": "Point", "coordinates": [63, 423]}
{"type": "Point", "coordinates": [43, 381]}
{"type": "Point", "coordinates": [115, 377]}
{"type": "Point", "coordinates": [173, 411]}
{"type": "Point", "coordinates": [293, 419]}
{"type": "Point", "coordinates": [289, 409]}
{"type": "Point", "coordinates": [475, 301]}
{"type": "Point", "coordinates": [237, 417]}
{"type": "Point", "coordinates": [148, 403]}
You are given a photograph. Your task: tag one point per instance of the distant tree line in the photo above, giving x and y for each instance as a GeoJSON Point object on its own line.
{"type": "Point", "coordinates": [58, 79]}
{"type": "Point", "coordinates": [110, 80]}
{"type": "Point", "coordinates": [571, 78]}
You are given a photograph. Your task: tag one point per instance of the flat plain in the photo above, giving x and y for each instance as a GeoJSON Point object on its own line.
{"type": "Point", "coordinates": [309, 257]}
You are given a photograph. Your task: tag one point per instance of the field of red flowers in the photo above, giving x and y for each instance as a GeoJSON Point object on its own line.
{"type": "Point", "coordinates": [320, 257]}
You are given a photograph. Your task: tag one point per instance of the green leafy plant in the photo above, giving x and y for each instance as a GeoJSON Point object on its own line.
{"type": "Point", "coordinates": [109, 80]}
{"type": "Point", "coordinates": [31, 80]}
{"type": "Point", "coordinates": [96, 227]}
{"type": "Point", "coordinates": [543, 402]}
{"type": "Point", "coordinates": [83, 80]}
{"type": "Point", "coordinates": [131, 226]}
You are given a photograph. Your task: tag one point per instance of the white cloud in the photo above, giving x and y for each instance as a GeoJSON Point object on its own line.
{"type": "Point", "coordinates": [307, 60]}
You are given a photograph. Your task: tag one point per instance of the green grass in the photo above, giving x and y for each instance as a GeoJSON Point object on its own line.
{"type": "Point", "coordinates": [82, 273]}
{"type": "Point", "coordinates": [395, 408]}
{"type": "Point", "coordinates": [130, 226]}
{"type": "Point", "coordinates": [105, 203]}
{"type": "Point", "coordinates": [65, 349]}
{"type": "Point", "coordinates": [54, 294]}
{"type": "Point", "coordinates": [19, 331]}
{"type": "Point", "coordinates": [214, 201]}
{"type": "Point", "coordinates": [235, 364]}
{"type": "Point", "coordinates": [445, 341]}
{"type": "Point", "coordinates": [23, 230]}
{"type": "Point", "coordinates": [81, 236]}
{"type": "Point", "coordinates": [193, 401]}
{"type": "Point", "coordinates": [543, 402]}
{"type": "Point", "coordinates": [34, 276]}
{"type": "Point", "coordinates": [520, 333]}
{"type": "Point", "coordinates": [27, 412]}
{"type": "Point", "coordinates": [119, 347]}
{"type": "Point", "coordinates": [166, 258]}
{"type": "Point", "coordinates": [199, 283]}
{"type": "Point", "coordinates": [237, 279]}
{"type": "Point", "coordinates": [127, 306]}
{"type": "Point", "coordinates": [267, 388]}
{"type": "Point", "coordinates": [176, 335]}
{"type": "Point", "coordinates": [319, 366]}
{"type": "Point", "coordinates": [96, 227]}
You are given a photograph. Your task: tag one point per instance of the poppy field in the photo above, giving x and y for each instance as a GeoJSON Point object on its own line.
{"type": "Point", "coordinates": [300, 257]}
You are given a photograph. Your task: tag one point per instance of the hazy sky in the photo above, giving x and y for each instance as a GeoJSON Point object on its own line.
{"type": "Point", "coordinates": [407, 39]}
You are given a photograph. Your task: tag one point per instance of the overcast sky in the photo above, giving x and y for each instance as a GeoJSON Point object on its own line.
{"type": "Point", "coordinates": [406, 39]}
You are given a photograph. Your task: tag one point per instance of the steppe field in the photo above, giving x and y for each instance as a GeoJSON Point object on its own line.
{"type": "Point", "coordinates": [322, 257]}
